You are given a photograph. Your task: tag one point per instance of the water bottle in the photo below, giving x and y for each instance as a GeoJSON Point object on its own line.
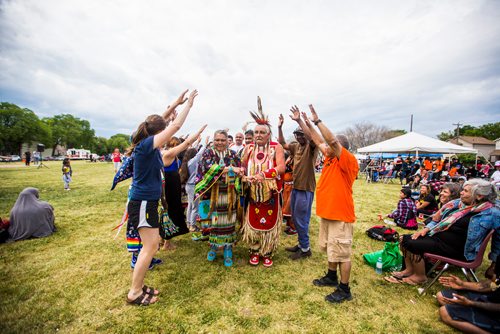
{"type": "Point", "coordinates": [378, 266]}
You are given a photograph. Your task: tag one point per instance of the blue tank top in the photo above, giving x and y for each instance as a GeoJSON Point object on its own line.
{"type": "Point", "coordinates": [174, 166]}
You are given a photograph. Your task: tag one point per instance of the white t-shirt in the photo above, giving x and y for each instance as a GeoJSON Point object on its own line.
{"type": "Point", "coordinates": [495, 178]}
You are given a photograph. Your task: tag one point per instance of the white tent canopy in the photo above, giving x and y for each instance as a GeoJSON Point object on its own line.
{"type": "Point", "coordinates": [414, 142]}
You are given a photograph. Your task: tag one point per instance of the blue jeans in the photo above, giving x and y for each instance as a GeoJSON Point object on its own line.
{"type": "Point", "coordinates": [301, 215]}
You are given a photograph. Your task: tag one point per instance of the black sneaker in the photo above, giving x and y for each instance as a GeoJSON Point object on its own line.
{"type": "Point", "coordinates": [293, 249]}
{"type": "Point", "coordinates": [300, 254]}
{"type": "Point", "coordinates": [325, 281]}
{"type": "Point", "coordinates": [338, 296]}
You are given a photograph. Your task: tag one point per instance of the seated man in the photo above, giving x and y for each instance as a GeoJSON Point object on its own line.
{"type": "Point", "coordinates": [476, 309]}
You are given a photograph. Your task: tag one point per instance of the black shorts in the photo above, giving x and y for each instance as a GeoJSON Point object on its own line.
{"type": "Point", "coordinates": [143, 214]}
{"type": "Point", "coordinates": [488, 321]}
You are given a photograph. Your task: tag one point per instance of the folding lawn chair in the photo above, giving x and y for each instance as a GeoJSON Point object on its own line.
{"type": "Point", "coordinates": [468, 268]}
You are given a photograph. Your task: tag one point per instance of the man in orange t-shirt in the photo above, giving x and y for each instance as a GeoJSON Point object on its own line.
{"type": "Point", "coordinates": [334, 205]}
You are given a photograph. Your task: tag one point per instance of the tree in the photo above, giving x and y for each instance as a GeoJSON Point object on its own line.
{"type": "Point", "coordinates": [70, 131]}
{"type": "Point", "coordinates": [100, 146]}
{"type": "Point", "coordinates": [120, 141]}
{"type": "Point", "coordinates": [364, 134]}
{"type": "Point", "coordinates": [17, 126]}
{"type": "Point", "coordinates": [489, 131]}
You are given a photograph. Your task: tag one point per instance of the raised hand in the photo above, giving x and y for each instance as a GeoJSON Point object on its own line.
{"type": "Point", "coordinates": [314, 115]}
{"type": "Point", "coordinates": [295, 113]}
{"type": "Point", "coordinates": [281, 119]}
{"type": "Point", "coordinates": [181, 99]}
{"type": "Point", "coordinates": [192, 137]}
{"type": "Point", "coordinates": [207, 141]}
{"type": "Point", "coordinates": [192, 95]}
{"type": "Point", "coordinates": [306, 119]}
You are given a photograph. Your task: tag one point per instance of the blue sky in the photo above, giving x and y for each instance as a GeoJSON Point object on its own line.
{"type": "Point", "coordinates": [115, 62]}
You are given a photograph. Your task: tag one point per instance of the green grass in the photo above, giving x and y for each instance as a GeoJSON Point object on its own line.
{"type": "Point", "coordinates": [76, 280]}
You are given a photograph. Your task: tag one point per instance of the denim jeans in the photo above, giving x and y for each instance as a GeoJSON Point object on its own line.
{"type": "Point", "coordinates": [301, 215]}
{"type": "Point", "coordinates": [192, 208]}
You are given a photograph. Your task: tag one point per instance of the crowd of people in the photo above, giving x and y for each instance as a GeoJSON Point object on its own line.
{"type": "Point", "coordinates": [243, 188]}
{"type": "Point", "coordinates": [234, 192]}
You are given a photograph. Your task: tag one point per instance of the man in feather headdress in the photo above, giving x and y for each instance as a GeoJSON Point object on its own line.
{"type": "Point", "coordinates": [263, 162]}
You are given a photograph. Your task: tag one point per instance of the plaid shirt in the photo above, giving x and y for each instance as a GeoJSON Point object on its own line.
{"type": "Point", "coordinates": [406, 207]}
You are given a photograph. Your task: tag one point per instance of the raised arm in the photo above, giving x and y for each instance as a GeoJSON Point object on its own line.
{"type": "Point", "coordinates": [281, 138]}
{"type": "Point", "coordinates": [170, 154]}
{"type": "Point", "coordinates": [164, 136]}
{"type": "Point", "coordinates": [295, 116]}
{"type": "Point", "coordinates": [330, 139]}
{"type": "Point", "coordinates": [171, 108]}
{"type": "Point", "coordinates": [316, 137]}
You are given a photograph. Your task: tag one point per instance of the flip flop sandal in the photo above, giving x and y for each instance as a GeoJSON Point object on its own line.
{"type": "Point", "coordinates": [143, 300]}
{"type": "Point", "coordinates": [392, 279]}
{"type": "Point", "coordinates": [412, 283]}
{"type": "Point", "coordinates": [398, 277]}
{"type": "Point", "coordinates": [150, 290]}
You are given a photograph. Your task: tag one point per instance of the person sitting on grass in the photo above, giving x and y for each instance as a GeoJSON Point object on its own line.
{"type": "Point", "coordinates": [426, 204]}
{"type": "Point", "coordinates": [458, 235]}
{"type": "Point", "coordinates": [30, 217]}
{"type": "Point", "coordinates": [471, 307]}
{"type": "Point", "coordinates": [405, 215]}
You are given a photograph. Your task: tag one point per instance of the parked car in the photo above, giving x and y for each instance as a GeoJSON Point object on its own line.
{"type": "Point", "coordinates": [15, 158]}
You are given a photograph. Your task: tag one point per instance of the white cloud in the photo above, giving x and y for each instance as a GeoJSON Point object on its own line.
{"type": "Point", "coordinates": [115, 62]}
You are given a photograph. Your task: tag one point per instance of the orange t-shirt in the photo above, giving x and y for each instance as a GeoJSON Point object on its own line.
{"type": "Point", "coordinates": [428, 165]}
{"type": "Point", "coordinates": [453, 171]}
{"type": "Point", "coordinates": [334, 190]}
{"type": "Point", "coordinates": [439, 165]}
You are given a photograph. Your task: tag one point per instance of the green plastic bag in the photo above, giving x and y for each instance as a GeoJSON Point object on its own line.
{"type": "Point", "coordinates": [391, 257]}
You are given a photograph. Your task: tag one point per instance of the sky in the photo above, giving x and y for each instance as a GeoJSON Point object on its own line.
{"type": "Point", "coordinates": [115, 62]}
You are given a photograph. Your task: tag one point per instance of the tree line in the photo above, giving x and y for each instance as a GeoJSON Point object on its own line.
{"type": "Point", "coordinates": [21, 125]}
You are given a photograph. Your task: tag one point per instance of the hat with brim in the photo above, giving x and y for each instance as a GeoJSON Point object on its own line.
{"type": "Point", "coordinates": [298, 130]}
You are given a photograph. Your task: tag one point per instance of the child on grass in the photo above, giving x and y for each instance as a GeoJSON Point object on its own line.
{"type": "Point", "coordinates": [67, 173]}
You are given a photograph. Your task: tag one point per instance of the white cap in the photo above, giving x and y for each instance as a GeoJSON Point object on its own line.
{"type": "Point", "coordinates": [497, 163]}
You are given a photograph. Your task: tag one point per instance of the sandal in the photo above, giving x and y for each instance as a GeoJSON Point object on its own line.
{"type": "Point", "coordinates": [392, 279]}
{"type": "Point", "coordinates": [413, 283]}
{"type": "Point", "coordinates": [398, 277]}
{"type": "Point", "coordinates": [150, 291]}
{"type": "Point", "coordinates": [143, 300]}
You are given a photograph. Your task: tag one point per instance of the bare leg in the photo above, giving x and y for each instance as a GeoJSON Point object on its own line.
{"type": "Point", "coordinates": [409, 267]}
{"type": "Point", "coordinates": [418, 273]}
{"type": "Point", "coordinates": [149, 238]}
{"type": "Point", "coordinates": [345, 272]}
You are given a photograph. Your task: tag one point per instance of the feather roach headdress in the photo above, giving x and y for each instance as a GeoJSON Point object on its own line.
{"type": "Point", "coordinates": [259, 116]}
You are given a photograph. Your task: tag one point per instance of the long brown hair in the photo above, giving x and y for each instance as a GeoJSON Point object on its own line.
{"type": "Point", "coordinates": [184, 172]}
{"type": "Point", "coordinates": [153, 125]}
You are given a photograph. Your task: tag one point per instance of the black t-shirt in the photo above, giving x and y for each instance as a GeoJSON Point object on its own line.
{"type": "Point", "coordinates": [432, 202]}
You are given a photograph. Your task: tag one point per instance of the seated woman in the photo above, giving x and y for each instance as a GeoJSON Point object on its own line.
{"type": "Point", "coordinates": [405, 215]}
{"type": "Point", "coordinates": [449, 191]}
{"type": "Point", "coordinates": [426, 204]}
{"type": "Point", "coordinates": [457, 234]}
{"type": "Point", "coordinates": [30, 217]}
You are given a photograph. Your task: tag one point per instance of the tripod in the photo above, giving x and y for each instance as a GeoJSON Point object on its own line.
{"type": "Point", "coordinates": [41, 164]}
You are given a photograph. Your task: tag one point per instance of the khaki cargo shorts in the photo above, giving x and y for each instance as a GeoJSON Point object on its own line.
{"type": "Point", "coordinates": [335, 239]}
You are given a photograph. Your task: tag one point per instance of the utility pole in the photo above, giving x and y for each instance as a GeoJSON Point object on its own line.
{"type": "Point", "coordinates": [458, 128]}
{"type": "Point", "coordinates": [411, 123]}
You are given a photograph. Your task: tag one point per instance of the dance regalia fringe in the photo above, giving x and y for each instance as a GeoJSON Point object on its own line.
{"type": "Point", "coordinates": [263, 215]}
{"type": "Point", "coordinates": [217, 191]}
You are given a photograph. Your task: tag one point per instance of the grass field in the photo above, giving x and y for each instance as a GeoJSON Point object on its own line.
{"type": "Point", "coordinates": [76, 280]}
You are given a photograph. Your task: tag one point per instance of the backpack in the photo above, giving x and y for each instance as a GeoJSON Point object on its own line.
{"type": "Point", "coordinates": [382, 233]}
